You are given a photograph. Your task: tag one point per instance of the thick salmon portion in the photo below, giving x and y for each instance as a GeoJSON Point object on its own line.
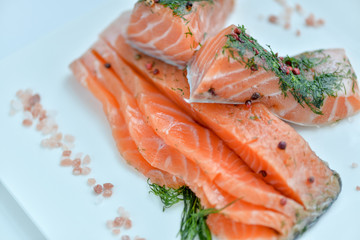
{"type": "Point", "coordinates": [254, 133]}
{"type": "Point", "coordinates": [124, 142]}
{"type": "Point", "coordinates": [199, 144]}
{"type": "Point", "coordinates": [172, 30]}
{"type": "Point", "coordinates": [166, 158]}
{"type": "Point", "coordinates": [216, 77]}
{"type": "Point", "coordinates": [225, 229]}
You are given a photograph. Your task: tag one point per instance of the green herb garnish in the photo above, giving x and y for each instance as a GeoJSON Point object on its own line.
{"type": "Point", "coordinates": [180, 8]}
{"type": "Point", "coordinates": [295, 73]}
{"type": "Point", "coordinates": [193, 219]}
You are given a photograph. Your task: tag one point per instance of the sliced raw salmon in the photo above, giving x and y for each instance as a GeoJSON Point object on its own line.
{"type": "Point", "coordinates": [254, 133]}
{"type": "Point", "coordinates": [124, 142]}
{"type": "Point", "coordinates": [173, 30]}
{"type": "Point", "coordinates": [197, 143]}
{"type": "Point", "coordinates": [233, 68]}
{"type": "Point", "coordinates": [166, 158]}
{"type": "Point", "coordinates": [226, 229]}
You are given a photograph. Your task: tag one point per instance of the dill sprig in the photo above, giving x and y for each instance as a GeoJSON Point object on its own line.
{"type": "Point", "coordinates": [180, 8]}
{"type": "Point", "coordinates": [168, 196]}
{"type": "Point", "coordinates": [295, 73]}
{"type": "Point", "coordinates": [193, 219]}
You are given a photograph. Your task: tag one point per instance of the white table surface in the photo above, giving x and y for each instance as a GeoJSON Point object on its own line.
{"type": "Point", "coordinates": [21, 23]}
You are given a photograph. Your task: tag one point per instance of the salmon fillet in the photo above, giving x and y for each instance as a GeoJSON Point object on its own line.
{"type": "Point", "coordinates": [172, 30]}
{"type": "Point", "coordinates": [130, 153]}
{"type": "Point", "coordinates": [124, 142]}
{"type": "Point", "coordinates": [217, 75]}
{"type": "Point", "coordinates": [162, 156]}
{"type": "Point", "coordinates": [253, 133]}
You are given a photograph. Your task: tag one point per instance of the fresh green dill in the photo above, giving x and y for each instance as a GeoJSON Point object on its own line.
{"type": "Point", "coordinates": [180, 8]}
{"type": "Point", "coordinates": [189, 32]}
{"type": "Point", "coordinates": [295, 73]}
{"type": "Point", "coordinates": [193, 219]}
{"type": "Point", "coordinates": [168, 196]}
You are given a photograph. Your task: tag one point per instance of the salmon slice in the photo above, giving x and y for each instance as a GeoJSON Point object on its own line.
{"type": "Point", "coordinates": [226, 229]}
{"type": "Point", "coordinates": [197, 143]}
{"type": "Point", "coordinates": [218, 74]}
{"type": "Point", "coordinates": [172, 31]}
{"type": "Point", "coordinates": [124, 142]}
{"type": "Point", "coordinates": [166, 158]}
{"type": "Point", "coordinates": [253, 133]}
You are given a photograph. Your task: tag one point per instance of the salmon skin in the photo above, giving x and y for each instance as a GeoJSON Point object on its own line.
{"type": "Point", "coordinates": [254, 133]}
{"type": "Point", "coordinates": [312, 88]}
{"type": "Point", "coordinates": [158, 154]}
{"type": "Point", "coordinates": [173, 30]}
{"type": "Point", "coordinates": [124, 142]}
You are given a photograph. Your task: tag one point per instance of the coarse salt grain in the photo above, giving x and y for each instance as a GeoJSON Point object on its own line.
{"type": "Point", "coordinates": [116, 231]}
{"type": "Point", "coordinates": [125, 237]}
{"type": "Point", "coordinates": [98, 189]}
{"type": "Point", "coordinates": [108, 185]}
{"type": "Point", "coordinates": [110, 224]}
{"type": "Point", "coordinates": [354, 165]}
{"type": "Point", "coordinates": [34, 99]}
{"type": "Point", "coordinates": [128, 223]}
{"type": "Point", "coordinates": [66, 162]}
{"type": "Point", "coordinates": [273, 19]}
{"type": "Point", "coordinates": [66, 153]}
{"type": "Point", "coordinates": [76, 162]}
{"type": "Point", "coordinates": [78, 155]}
{"type": "Point", "coordinates": [27, 122]}
{"type": "Point", "coordinates": [58, 136]}
{"type": "Point", "coordinates": [91, 181]}
{"type": "Point", "coordinates": [357, 188]}
{"type": "Point", "coordinates": [69, 138]}
{"type": "Point", "coordinates": [139, 238]}
{"type": "Point", "coordinates": [107, 193]}
{"type": "Point", "coordinates": [86, 160]}
{"type": "Point", "coordinates": [119, 221]}
{"type": "Point", "coordinates": [86, 171]}
{"type": "Point", "coordinates": [77, 171]}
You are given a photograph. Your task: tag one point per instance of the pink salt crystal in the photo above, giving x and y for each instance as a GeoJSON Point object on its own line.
{"type": "Point", "coordinates": [116, 231]}
{"type": "Point", "coordinates": [77, 171]}
{"type": "Point", "coordinates": [108, 185]}
{"type": "Point", "coordinates": [86, 171]}
{"type": "Point", "coordinates": [98, 189]}
{"type": "Point", "coordinates": [69, 138]}
{"type": "Point", "coordinates": [27, 122]}
{"type": "Point", "coordinates": [76, 162]}
{"type": "Point", "coordinates": [357, 188]}
{"type": "Point", "coordinates": [121, 211]}
{"type": "Point", "coordinates": [45, 143]}
{"type": "Point", "coordinates": [110, 224]}
{"type": "Point", "coordinates": [125, 237]}
{"type": "Point", "coordinates": [34, 99]}
{"type": "Point", "coordinates": [28, 115]}
{"type": "Point", "coordinates": [66, 153]}
{"type": "Point", "coordinates": [54, 128]}
{"type": "Point", "coordinates": [119, 221]}
{"type": "Point", "coordinates": [66, 162]}
{"type": "Point", "coordinates": [78, 155]}
{"type": "Point", "coordinates": [36, 110]}
{"type": "Point", "coordinates": [107, 193]}
{"type": "Point", "coordinates": [42, 115]}
{"type": "Point", "coordinates": [46, 130]}
{"type": "Point", "coordinates": [16, 105]}
{"type": "Point", "coordinates": [91, 181]}
{"type": "Point", "coordinates": [58, 136]}
{"type": "Point", "coordinates": [139, 238]}
{"type": "Point", "coordinates": [19, 93]}
{"type": "Point", "coordinates": [128, 223]}
{"type": "Point", "coordinates": [310, 20]}
{"type": "Point", "coordinates": [86, 160]}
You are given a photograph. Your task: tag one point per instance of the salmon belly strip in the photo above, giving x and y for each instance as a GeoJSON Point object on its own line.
{"type": "Point", "coordinates": [124, 142]}
{"type": "Point", "coordinates": [214, 76]}
{"type": "Point", "coordinates": [156, 31]}
{"type": "Point", "coordinates": [253, 133]}
{"type": "Point", "coordinates": [224, 228]}
{"type": "Point", "coordinates": [129, 151]}
{"type": "Point", "coordinates": [160, 155]}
